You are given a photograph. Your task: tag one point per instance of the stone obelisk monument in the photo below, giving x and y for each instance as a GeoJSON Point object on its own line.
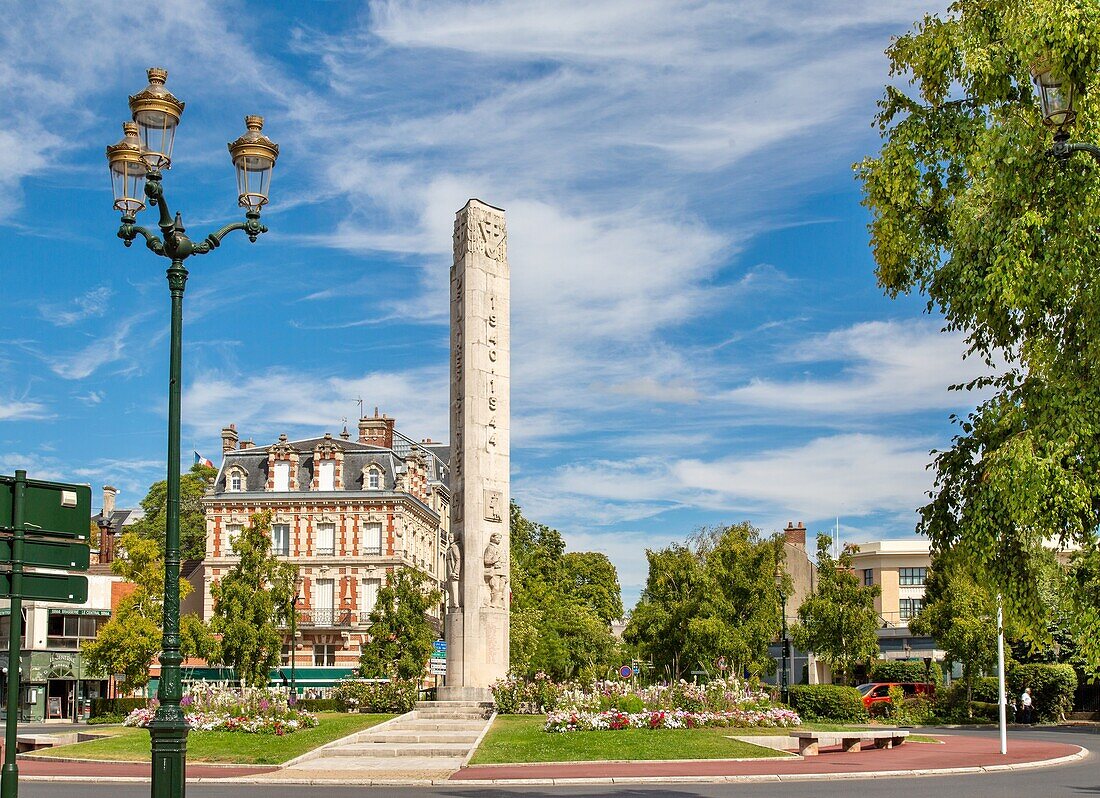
{"type": "Point", "coordinates": [478, 573]}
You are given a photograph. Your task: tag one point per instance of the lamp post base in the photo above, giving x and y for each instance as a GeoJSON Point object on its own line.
{"type": "Point", "coordinates": [169, 742]}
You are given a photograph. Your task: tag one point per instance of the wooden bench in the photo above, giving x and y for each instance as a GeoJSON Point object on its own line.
{"type": "Point", "coordinates": [851, 741]}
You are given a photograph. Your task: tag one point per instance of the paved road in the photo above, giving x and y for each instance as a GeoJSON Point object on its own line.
{"type": "Point", "coordinates": [1076, 780]}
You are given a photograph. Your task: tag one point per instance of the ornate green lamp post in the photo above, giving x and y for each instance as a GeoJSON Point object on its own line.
{"type": "Point", "coordinates": [1056, 95]}
{"type": "Point", "coordinates": [136, 163]}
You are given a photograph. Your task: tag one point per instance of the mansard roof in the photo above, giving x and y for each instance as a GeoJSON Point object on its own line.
{"type": "Point", "coordinates": [358, 457]}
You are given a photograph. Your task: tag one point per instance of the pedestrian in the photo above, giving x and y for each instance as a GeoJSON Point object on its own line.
{"type": "Point", "coordinates": [1027, 708]}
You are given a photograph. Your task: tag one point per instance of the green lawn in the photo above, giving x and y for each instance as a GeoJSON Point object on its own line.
{"type": "Point", "coordinates": [520, 738]}
{"type": "Point", "coordinates": [125, 744]}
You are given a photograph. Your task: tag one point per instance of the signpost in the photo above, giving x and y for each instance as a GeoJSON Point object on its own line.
{"type": "Point", "coordinates": [437, 664]}
{"type": "Point", "coordinates": [31, 513]}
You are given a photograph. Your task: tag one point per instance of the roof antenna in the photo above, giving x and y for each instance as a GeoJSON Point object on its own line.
{"type": "Point", "coordinates": [359, 402]}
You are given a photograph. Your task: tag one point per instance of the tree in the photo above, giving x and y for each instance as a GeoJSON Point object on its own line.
{"type": "Point", "coordinates": [562, 604]}
{"type": "Point", "coordinates": [591, 579]}
{"type": "Point", "coordinates": [152, 525]}
{"type": "Point", "coordinates": [960, 613]}
{"type": "Point", "coordinates": [401, 635]}
{"type": "Point", "coordinates": [673, 592]}
{"type": "Point", "coordinates": [251, 600]}
{"type": "Point", "coordinates": [129, 641]}
{"type": "Point", "coordinates": [838, 621]}
{"type": "Point", "coordinates": [969, 210]}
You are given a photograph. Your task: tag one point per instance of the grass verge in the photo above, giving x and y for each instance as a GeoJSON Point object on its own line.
{"type": "Point", "coordinates": [520, 738]}
{"type": "Point", "coordinates": [124, 744]}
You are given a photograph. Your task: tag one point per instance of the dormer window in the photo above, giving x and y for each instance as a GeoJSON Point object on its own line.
{"type": "Point", "coordinates": [326, 475]}
{"type": "Point", "coordinates": [236, 480]}
{"type": "Point", "coordinates": [372, 478]}
{"type": "Point", "coordinates": [282, 477]}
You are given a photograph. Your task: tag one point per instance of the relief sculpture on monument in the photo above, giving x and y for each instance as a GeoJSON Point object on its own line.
{"type": "Point", "coordinates": [454, 573]}
{"type": "Point", "coordinates": [495, 576]}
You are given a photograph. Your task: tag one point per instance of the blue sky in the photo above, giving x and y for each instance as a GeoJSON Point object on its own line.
{"type": "Point", "coordinates": [697, 333]}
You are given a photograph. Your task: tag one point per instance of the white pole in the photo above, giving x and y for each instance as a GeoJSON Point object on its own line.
{"type": "Point", "coordinates": [1001, 676]}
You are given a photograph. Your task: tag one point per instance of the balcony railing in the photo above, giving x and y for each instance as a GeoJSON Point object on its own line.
{"type": "Point", "coordinates": [324, 617]}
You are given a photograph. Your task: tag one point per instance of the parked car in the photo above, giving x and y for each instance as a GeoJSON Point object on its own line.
{"type": "Point", "coordinates": [879, 692]}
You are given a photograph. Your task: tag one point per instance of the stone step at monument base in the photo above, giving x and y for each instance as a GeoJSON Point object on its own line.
{"type": "Point", "coordinates": [447, 710]}
{"type": "Point", "coordinates": [375, 750]}
{"type": "Point", "coordinates": [416, 736]}
{"type": "Point", "coordinates": [435, 725]}
{"type": "Point", "coordinates": [343, 768]}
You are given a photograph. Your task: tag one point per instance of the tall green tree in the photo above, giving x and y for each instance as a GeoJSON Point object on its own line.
{"type": "Point", "coordinates": [128, 643]}
{"type": "Point", "coordinates": [838, 621]}
{"type": "Point", "coordinates": [671, 599]}
{"type": "Point", "coordinates": [961, 614]}
{"type": "Point", "coordinates": [969, 210]}
{"type": "Point", "coordinates": [562, 604]}
{"type": "Point", "coordinates": [252, 602]}
{"type": "Point", "coordinates": [152, 525]}
{"type": "Point", "coordinates": [591, 579]}
{"type": "Point", "coordinates": [401, 633]}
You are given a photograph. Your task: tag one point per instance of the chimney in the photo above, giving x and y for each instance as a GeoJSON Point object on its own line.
{"type": "Point", "coordinates": [109, 494]}
{"type": "Point", "coordinates": [229, 438]}
{"type": "Point", "coordinates": [795, 535]}
{"type": "Point", "coordinates": [377, 431]}
{"type": "Point", "coordinates": [344, 433]}
{"type": "Point", "coordinates": [247, 444]}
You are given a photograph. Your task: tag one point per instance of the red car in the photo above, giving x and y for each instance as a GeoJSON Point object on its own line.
{"type": "Point", "coordinates": [879, 692]}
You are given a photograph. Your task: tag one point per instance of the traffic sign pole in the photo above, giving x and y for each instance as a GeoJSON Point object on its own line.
{"type": "Point", "coordinates": [9, 777]}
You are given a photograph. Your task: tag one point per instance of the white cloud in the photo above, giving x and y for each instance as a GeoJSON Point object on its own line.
{"type": "Point", "coordinates": [109, 346]}
{"type": "Point", "coordinates": [14, 410]}
{"type": "Point", "coordinates": [886, 367]}
{"type": "Point", "coordinates": [88, 305]}
{"type": "Point", "coordinates": [299, 402]}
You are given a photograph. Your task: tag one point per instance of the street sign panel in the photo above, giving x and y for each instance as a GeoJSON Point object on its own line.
{"type": "Point", "coordinates": [50, 508]}
{"type": "Point", "coordinates": [439, 649]}
{"type": "Point", "coordinates": [437, 667]}
{"type": "Point", "coordinates": [49, 554]}
{"type": "Point", "coordinates": [48, 587]}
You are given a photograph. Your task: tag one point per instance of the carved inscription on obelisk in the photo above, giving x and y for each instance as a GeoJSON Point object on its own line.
{"type": "Point", "coordinates": [477, 621]}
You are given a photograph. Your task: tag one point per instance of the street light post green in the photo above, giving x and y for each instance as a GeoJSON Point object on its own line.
{"type": "Point", "coordinates": [138, 159]}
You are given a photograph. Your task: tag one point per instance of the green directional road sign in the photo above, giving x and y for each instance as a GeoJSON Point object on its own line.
{"type": "Point", "coordinates": [50, 508]}
{"type": "Point", "coordinates": [49, 554]}
{"type": "Point", "coordinates": [48, 587]}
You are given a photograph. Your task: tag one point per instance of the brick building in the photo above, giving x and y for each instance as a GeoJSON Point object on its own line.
{"type": "Point", "coordinates": [346, 512]}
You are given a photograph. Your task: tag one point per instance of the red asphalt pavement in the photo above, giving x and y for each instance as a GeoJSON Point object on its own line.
{"type": "Point", "coordinates": [107, 770]}
{"type": "Point", "coordinates": [956, 752]}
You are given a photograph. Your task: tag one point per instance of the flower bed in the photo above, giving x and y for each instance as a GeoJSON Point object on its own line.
{"type": "Point", "coordinates": [208, 707]}
{"type": "Point", "coordinates": [775, 717]}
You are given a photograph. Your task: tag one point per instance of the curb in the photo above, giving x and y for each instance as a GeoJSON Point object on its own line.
{"type": "Point", "coordinates": [1080, 754]}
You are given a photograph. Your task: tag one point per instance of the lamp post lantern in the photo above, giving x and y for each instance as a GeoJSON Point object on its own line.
{"type": "Point", "coordinates": [1056, 96]}
{"type": "Point", "coordinates": [135, 164]}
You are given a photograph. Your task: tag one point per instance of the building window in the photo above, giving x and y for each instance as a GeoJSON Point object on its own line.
{"type": "Point", "coordinates": [326, 539]}
{"type": "Point", "coordinates": [324, 655]}
{"type": "Point", "coordinates": [868, 577]}
{"type": "Point", "coordinates": [67, 631]}
{"type": "Point", "coordinates": [235, 482]}
{"type": "Point", "coordinates": [284, 657]}
{"type": "Point", "coordinates": [368, 598]}
{"type": "Point", "coordinates": [910, 607]}
{"type": "Point", "coordinates": [326, 475]}
{"type": "Point", "coordinates": [232, 532]}
{"type": "Point", "coordinates": [372, 539]}
{"type": "Point", "coordinates": [912, 576]}
{"type": "Point", "coordinates": [324, 593]}
{"type": "Point", "coordinates": [282, 477]}
{"type": "Point", "coordinates": [280, 539]}
{"type": "Point", "coordinates": [374, 479]}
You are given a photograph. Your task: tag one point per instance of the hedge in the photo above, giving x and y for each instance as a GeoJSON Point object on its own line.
{"type": "Point", "coordinates": [362, 695]}
{"type": "Point", "coordinates": [317, 704]}
{"type": "Point", "coordinates": [1052, 688]}
{"type": "Point", "coordinates": [828, 702]}
{"type": "Point", "coordinates": [116, 706]}
{"type": "Point", "coordinates": [904, 670]}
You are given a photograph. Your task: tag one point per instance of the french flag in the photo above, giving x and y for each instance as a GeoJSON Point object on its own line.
{"type": "Point", "coordinates": [200, 459]}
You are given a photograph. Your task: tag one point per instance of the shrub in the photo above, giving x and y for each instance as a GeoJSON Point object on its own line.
{"type": "Point", "coordinates": [904, 670]}
{"type": "Point", "coordinates": [515, 695]}
{"type": "Point", "coordinates": [116, 706]}
{"type": "Point", "coordinates": [1052, 688]}
{"type": "Point", "coordinates": [209, 707]}
{"type": "Point", "coordinates": [828, 702]}
{"type": "Point", "coordinates": [363, 695]}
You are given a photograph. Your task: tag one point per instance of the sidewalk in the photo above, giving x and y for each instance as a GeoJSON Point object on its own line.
{"type": "Point", "coordinates": [127, 771]}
